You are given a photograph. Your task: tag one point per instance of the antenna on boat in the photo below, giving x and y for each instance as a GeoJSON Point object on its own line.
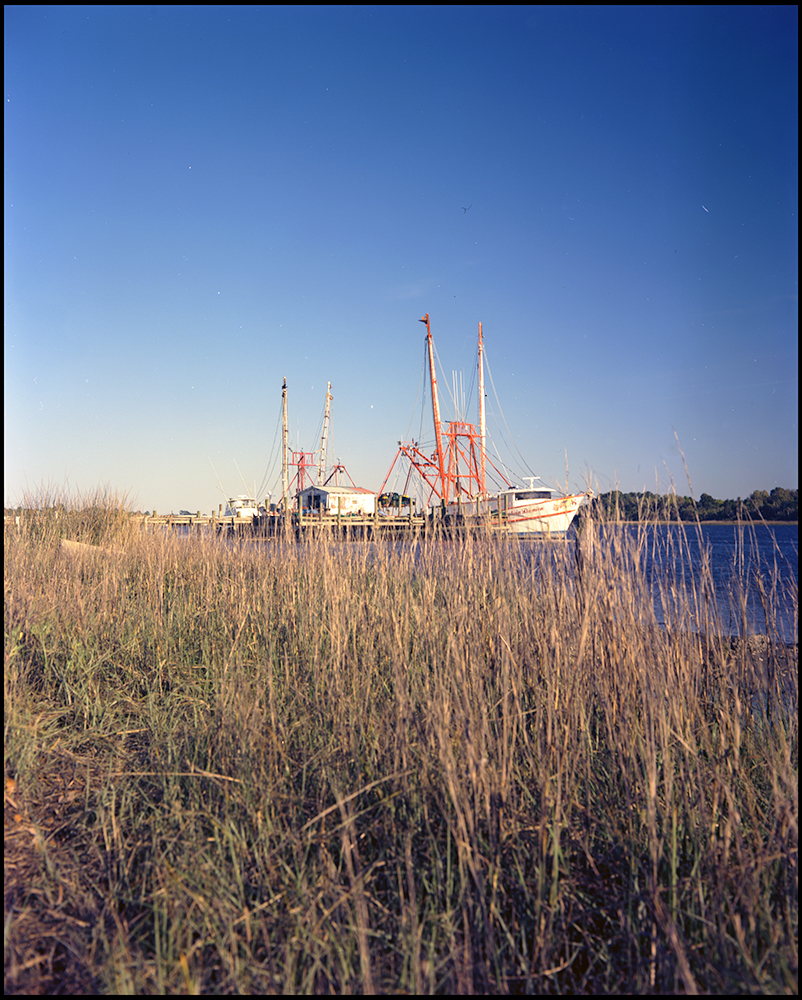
{"type": "Point", "coordinates": [217, 477]}
{"type": "Point", "coordinates": [241, 476]}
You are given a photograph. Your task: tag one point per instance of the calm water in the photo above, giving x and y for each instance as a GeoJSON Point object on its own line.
{"type": "Point", "coordinates": [707, 577]}
{"type": "Point", "coordinates": [736, 559]}
{"type": "Point", "coordinates": [739, 559]}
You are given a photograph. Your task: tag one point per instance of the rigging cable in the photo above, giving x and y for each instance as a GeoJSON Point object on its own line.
{"type": "Point", "coordinates": [270, 460]}
{"type": "Point", "coordinates": [501, 412]}
{"type": "Point", "coordinates": [217, 478]}
{"type": "Point", "coordinates": [276, 483]}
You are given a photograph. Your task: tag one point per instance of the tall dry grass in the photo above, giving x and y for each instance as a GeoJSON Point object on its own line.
{"type": "Point", "coordinates": [454, 766]}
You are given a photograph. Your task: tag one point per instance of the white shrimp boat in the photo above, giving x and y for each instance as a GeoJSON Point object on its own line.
{"type": "Point", "coordinates": [523, 511]}
{"type": "Point", "coordinates": [242, 507]}
{"type": "Point", "coordinates": [456, 475]}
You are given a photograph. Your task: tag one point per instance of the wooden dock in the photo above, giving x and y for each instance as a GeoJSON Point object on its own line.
{"type": "Point", "coordinates": [305, 524]}
{"type": "Point", "coordinates": [298, 525]}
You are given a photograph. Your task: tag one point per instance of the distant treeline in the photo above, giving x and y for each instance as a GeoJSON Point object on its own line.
{"type": "Point", "coordinates": [779, 505]}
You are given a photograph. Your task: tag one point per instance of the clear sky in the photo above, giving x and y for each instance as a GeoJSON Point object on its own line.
{"type": "Point", "coordinates": [201, 201]}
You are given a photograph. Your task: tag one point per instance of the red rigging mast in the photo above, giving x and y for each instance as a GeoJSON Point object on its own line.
{"type": "Point", "coordinates": [482, 421]}
{"type": "Point", "coordinates": [435, 400]}
{"type": "Point", "coordinates": [456, 471]}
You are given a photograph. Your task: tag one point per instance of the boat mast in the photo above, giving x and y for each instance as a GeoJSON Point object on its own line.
{"type": "Point", "coordinates": [285, 486]}
{"type": "Point", "coordinates": [321, 467]}
{"type": "Point", "coordinates": [436, 409]}
{"type": "Point", "coordinates": [482, 421]}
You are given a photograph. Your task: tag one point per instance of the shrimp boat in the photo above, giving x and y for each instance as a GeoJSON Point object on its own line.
{"type": "Point", "coordinates": [456, 474]}
{"type": "Point", "coordinates": [242, 507]}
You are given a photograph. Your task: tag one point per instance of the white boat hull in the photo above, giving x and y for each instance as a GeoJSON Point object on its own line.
{"type": "Point", "coordinates": [528, 517]}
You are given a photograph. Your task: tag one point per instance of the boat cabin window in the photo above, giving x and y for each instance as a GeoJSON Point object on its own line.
{"type": "Point", "coordinates": [533, 495]}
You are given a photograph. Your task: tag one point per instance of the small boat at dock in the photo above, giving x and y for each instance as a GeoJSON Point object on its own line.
{"type": "Point", "coordinates": [243, 507]}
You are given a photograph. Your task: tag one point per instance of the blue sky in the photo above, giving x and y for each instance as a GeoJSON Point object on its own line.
{"type": "Point", "coordinates": [201, 201]}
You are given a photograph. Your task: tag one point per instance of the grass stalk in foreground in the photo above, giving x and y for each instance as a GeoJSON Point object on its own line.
{"type": "Point", "coordinates": [373, 767]}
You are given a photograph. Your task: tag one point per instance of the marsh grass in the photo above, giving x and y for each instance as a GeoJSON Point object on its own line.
{"type": "Point", "coordinates": [447, 767]}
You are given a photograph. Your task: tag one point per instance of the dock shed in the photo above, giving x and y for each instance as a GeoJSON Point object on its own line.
{"type": "Point", "coordinates": [338, 500]}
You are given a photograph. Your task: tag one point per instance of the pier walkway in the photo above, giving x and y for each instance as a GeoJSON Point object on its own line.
{"type": "Point", "coordinates": [271, 525]}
